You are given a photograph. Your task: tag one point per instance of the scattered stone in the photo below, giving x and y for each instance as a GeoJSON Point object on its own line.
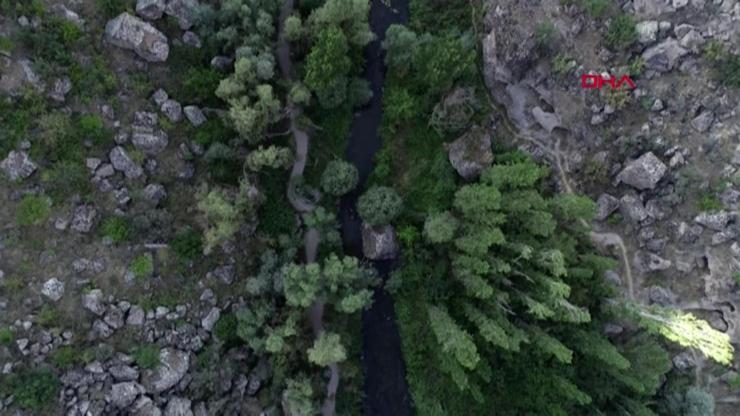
{"type": "Point", "coordinates": [632, 208]}
{"type": "Point", "coordinates": [121, 161]}
{"type": "Point", "coordinates": [160, 96]}
{"type": "Point", "coordinates": [150, 9]}
{"type": "Point", "coordinates": [155, 193]}
{"type": "Point", "coordinates": [662, 296]}
{"type": "Point", "coordinates": [136, 316]}
{"type": "Point", "coordinates": [222, 63]}
{"type": "Point", "coordinates": [145, 407]}
{"type": "Point", "coordinates": [124, 373]}
{"type": "Point", "coordinates": [100, 330]}
{"type": "Point", "coordinates": [647, 31]}
{"type": "Point", "coordinates": [124, 394]}
{"type": "Point", "coordinates": [650, 262]}
{"type": "Point", "coordinates": [191, 39]}
{"type": "Point", "coordinates": [194, 115]}
{"type": "Point", "coordinates": [129, 32]}
{"type": "Point", "coordinates": [17, 165]}
{"type": "Point", "coordinates": [703, 121]}
{"type": "Point", "coordinates": [225, 273]}
{"type": "Point", "coordinates": [183, 10]}
{"type": "Point", "coordinates": [643, 173]}
{"type": "Point", "coordinates": [606, 204]}
{"type": "Point", "coordinates": [172, 110]}
{"type": "Point", "coordinates": [173, 366]}
{"type": "Point", "coordinates": [93, 302]}
{"type": "Point", "coordinates": [59, 90]}
{"type": "Point", "coordinates": [684, 361]}
{"type": "Point", "coordinates": [471, 154]}
{"type": "Point", "coordinates": [114, 317]}
{"type": "Point", "coordinates": [664, 56]}
{"type": "Point", "coordinates": [83, 218]}
{"type": "Point", "coordinates": [379, 243]}
{"type": "Point", "coordinates": [210, 319]}
{"type": "Point", "coordinates": [716, 221]}
{"type": "Point", "coordinates": [53, 289]}
{"type": "Point", "coordinates": [178, 406]}
{"type": "Point", "coordinates": [146, 136]}
{"type": "Point", "coordinates": [548, 121]}
{"type": "Point", "coordinates": [692, 41]}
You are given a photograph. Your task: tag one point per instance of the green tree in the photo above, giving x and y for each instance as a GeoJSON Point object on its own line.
{"type": "Point", "coordinates": [226, 209]}
{"type": "Point", "coordinates": [379, 205]}
{"type": "Point", "coordinates": [339, 177]}
{"type": "Point", "coordinates": [328, 67]}
{"type": "Point", "coordinates": [327, 349]}
{"type": "Point", "coordinates": [293, 29]}
{"type": "Point", "coordinates": [349, 15]}
{"type": "Point", "coordinates": [440, 228]}
{"type": "Point", "coordinates": [32, 389]}
{"type": "Point", "coordinates": [297, 398]}
{"type": "Point", "coordinates": [273, 157]}
{"type": "Point", "coordinates": [400, 44]}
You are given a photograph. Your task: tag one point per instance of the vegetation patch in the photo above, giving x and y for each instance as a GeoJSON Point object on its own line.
{"type": "Point", "coordinates": [33, 210]}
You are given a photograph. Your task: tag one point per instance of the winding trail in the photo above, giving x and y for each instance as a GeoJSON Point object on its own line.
{"type": "Point", "coordinates": [312, 238]}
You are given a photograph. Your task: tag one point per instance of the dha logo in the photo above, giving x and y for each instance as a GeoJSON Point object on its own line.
{"type": "Point", "coordinates": [592, 81]}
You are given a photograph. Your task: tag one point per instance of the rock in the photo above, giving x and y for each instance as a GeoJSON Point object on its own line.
{"type": "Point", "coordinates": [129, 32]}
{"type": "Point", "coordinates": [53, 289]}
{"type": "Point", "coordinates": [716, 221]}
{"type": "Point", "coordinates": [183, 10]}
{"type": "Point", "coordinates": [684, 361]}
{"type": "Point", "coordinates": [178, 406]}
{"type": "Point", "coordinates": [210, 319]}
{"type": "Point", "coordinates": [379, 243]}
{"type": "Point", "coordinates": [151, 143]}
{"type": "Point", "coordinates": [632, 208]}
{"type": "Point", "coordinates": [93, 302]}
{"type": "Point", "coordinates": [680, 3]}
{"type": "Point", "coordinates": [606, 204]}
{"type": "Point", "coordinates": [222, 63]}
{"type": "Point", "coordinates": [155, 193]}
{"type": "Point", "coordinates": [59, 90]}
{"type": "Point", "coordinates": [145, 407]}
{"type": "Point", "coordinates": [194, 115]}
{"type": "Point", "coordinates": [471, 154]}
{"type": "Point", "coordinates": [160, 96]}
{"type": "Point", "coordinates": [17, 165]}
{"type": "Point", "coordinates": [124, 373]}
{"type": "Point", "coordinates": [643, 173]}
{"type": "Point", "coordinates": [651, 8]}
{"type": "Point", "coordinates": [114, 318]}
{"type": "Point", "coordinates": [650, 262]}
{"type": "Point", "coordinates": [548, 121]}
{"type": "Point", "coordinates": [664, 56]}
{"type": "Point", "coordinates": [647, 31]}
{"type": "Point", "coordinates": [100, 330]}
{"type": "Point", "coordinates": [191, 39]}
{"type": "Point", "coordinates": [150, 9]}
{"type": "Point", "coordinates": [136, 316]}
{"type": "Point", "coordinates": [121, 161]}
{"type": "Point", "coordinates": [692, 41]}
{"type": "Point", "coordinates": [83, 218]}
{"type": "Point", "coordinates": [172, 110]}
{"type": "Point", "coordinates": [225, 273]}
{"type": "Point", "coordinates": [662, 296]}
{"type": "Point", "coordinates": [123, 395]}
{"type": "Point", "coordinates": [173, 366]}
{"type": "Point", "coordinates": [703, 121]}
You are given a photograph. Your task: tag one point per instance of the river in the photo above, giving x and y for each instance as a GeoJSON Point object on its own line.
{"type": "Point", "coordinates": [386, 391]}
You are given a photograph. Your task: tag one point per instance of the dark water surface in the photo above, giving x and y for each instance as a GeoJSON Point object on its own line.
{"type": "Point", "coordinates": [386, 391]}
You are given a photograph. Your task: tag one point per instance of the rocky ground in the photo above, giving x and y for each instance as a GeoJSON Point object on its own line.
{"type": "Point", "coordinates": [663, 167]}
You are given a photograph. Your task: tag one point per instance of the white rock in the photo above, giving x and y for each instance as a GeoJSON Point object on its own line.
{"type": "Point", "coordinates": [53, 289]}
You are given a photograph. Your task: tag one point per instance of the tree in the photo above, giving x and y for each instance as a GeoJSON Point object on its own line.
{"type": "Point", "coordinates": [400, 44]}
{"type": "Point", "coordinates": [293, 29]}
{"type": "Point", "coordinates": [349, 15]}
{"type": "Point", "coordinates": [379, 205]}
{"type": "Point", "coordinates": [251, 117]}
{"type": "Point", "coordinates": [297, 398]}
{"type": "Point", "coordinates": [440, 228]}
{"type": "Point", "coordinates": [328, 67]}
{"type": "Point", "coordinates": [273, 157]}
{"type": "Point", "coordinates": [225, 210]}
{"type": "Point", "coordinates": [692, 402]}
{"type": "Point", "coordinates": [327, 349]}
{"type": "Point", "coordinates": [339, 177]}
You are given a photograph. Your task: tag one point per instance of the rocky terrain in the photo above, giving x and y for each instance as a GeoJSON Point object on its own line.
{"type": "Point", "coordinates": [662, 167]}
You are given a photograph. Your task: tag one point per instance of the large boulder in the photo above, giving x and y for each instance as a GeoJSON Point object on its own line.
{"type": "Point", "coordinates": [183, 11]}
{"type": "Point", "coordinates": [379, 243]}
{"type": "Point", "coordinates": [664, 56]}
{"type": "Point", "coordinates": [471, 154]}
{"type": "Point", "coordinates": [146, 136]}
{"type": "Point", "coordinates": [150, 9]}
{"type": "Point", "coordinates": [18, 165]}
{"type": "Point", "coordinates": [121, 161]}
{"type": "Point", "coordinates": [124, 394]}
{"type": "Point", "coordinates": [173, 366]}
{"type": "Point", "coordinates": [130, 32]}
{"type": "Point", "coordinates": [178, 406]}
{"type": "Point", "coordinates": [644, 172]}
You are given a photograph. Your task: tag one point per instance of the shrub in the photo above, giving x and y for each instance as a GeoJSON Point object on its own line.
{"type": "Point", "coordinates": [187, 244]}
{"type": "Point", "coordinates": [146, 356]}
{"type": "Point", "coordinates": [213, 131]}
{"type": "Point", "coordinates": [199, 85]}
{"type": "Point", "coordinates": [729, 71]}
{"type": "Point", "coordinates": [692, 402]}
{"type": "Point", "coordinates": [545, 35]}
{"type": "Point", "coordinates": [116, 228]}
{"type": "Point", "coordinates": [621, 32]}
{"type": "Point", "coordinates": [225, 330]}
{"type": "Point", "coordinates": [110, 8]}
{"type": "Point", "coordinates": [33, 210]}
{"type": "Point", "coordinates": [32, 389]}
{"type": "Point", "coordinates": [142, 266]}
{"type": "Point", "coordinates": [6, 336]}
{"type": "Point", "coordinates": [6, 45]}
{"type": "Point", "coordinates": [339, 177]}
{"type": "Point", "coordinates": [91, 127]}
{"type": "Point", "coordinates": [596, 8]}
{"type": "Point", "coordinates": [562, 64]}
{"type": "Point", "coordinates": [66, 178]}
{"type": "Point", "coordinates": [379, 205]}
{"type": "Point", "coordinates": [48, 317]}
{"type": "Point", "coordinates": [66, 357]}
{"type": "Point", "coordinates": [709, 202]}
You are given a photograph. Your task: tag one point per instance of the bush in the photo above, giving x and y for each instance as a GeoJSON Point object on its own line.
{"type": "Point", "coordinates": [729, 70]}
{"type": "Point", "coordinates": [621, 33]}
{"type": "Point", "coordinates": [199, 86]}
{"type": "Point", "coordinates": [66, 357]}
{"type": "Point", "coordinates": [33, 210]}
{"type": "Point", "coordinates": [142, 266]}
{"type": "Point", "coordinates": [379, 205]}
{"type": "Point", "coordinates": [146, 356]}
{"type": "Point", "coordinates": [339, 177]}
{"type": "Point", "coordinates": [692, 402]}
{"type": "Point", "coordinates": [213, 131]}
{"type": "Point", "coordinates": [225, 330]}
{"type": "Point", "coordinates": [32, 389]}
{"type": "Point", "coordinates": [545, 35]}
{"type": "Point", "coordinates": [709, 202]}
{"type": "Point", "coordinates": [6, 336]}
{"type": "Point", "coordinates": [187, 244]}
{"type": "Point", "coordinates": [48, 317]}
{"type": "Point", "coordinates": [90, 126]}
{"type": "Point", "coordinates": [110, 8]}
{"type": "Point", "coordinates": [66, 178]}
{"type": "Point", "coordinates": [6, 45]}
{"type": "Point", "coordinates": [116, 228]}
